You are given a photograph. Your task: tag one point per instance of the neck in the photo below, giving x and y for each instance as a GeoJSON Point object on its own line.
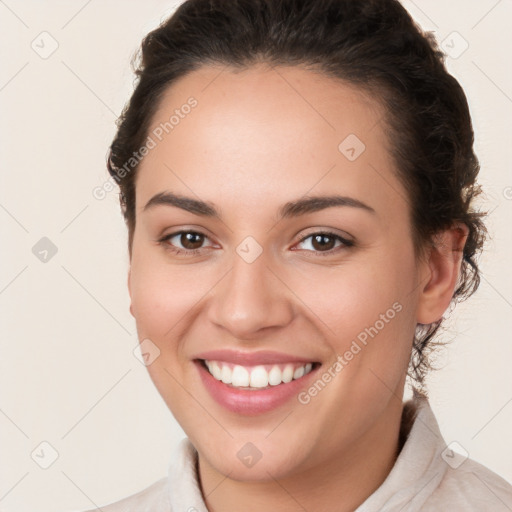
{"type": "Point", "coordinates": [347, 478]}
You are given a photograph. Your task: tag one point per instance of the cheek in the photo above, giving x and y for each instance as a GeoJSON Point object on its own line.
{"type": "Point", "coordinates": [159, 301]}
{"type": "Point", "coordinates": [161, 294]}
{"type": "Point", "coordinates": [355, 296]}
{"type": "Point", "coordinates": [366, 310]}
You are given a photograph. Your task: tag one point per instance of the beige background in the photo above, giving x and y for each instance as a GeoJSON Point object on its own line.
{"type": "Point", "coordinates": [68, 375]}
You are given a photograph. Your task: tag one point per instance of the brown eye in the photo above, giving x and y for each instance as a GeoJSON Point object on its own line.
{"type": "Point", "coordinates": [322, 242]}
{"type": "Point", "coordinates": [191, 240]}
{"type": "Point", "coordinates": [326, 243]}
{"type": "Point", "coordinates": [184, 242]}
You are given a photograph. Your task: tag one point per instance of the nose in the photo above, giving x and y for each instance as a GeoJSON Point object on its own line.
{"type": "Point", "coordinates": [250, 299]}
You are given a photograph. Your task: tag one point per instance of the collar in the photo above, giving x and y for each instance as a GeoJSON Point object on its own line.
{"type": "Point", "coordinates": [419, 467]}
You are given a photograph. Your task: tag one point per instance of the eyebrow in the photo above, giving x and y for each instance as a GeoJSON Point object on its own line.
{"type": "Point", "coordinates": [291, 209]}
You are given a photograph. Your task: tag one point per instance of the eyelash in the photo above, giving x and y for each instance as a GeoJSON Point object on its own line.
{"type": "Point", "coordinates": [192, 252]}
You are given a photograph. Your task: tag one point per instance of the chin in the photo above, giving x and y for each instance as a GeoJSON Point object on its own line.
{"type": "Point", "coordinates": [259, 461]}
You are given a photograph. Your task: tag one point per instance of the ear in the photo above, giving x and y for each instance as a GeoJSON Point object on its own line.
{"type": "Point", "coordinates": [441, 273]}
{"type": "Point", "coordinates": [130, 290]}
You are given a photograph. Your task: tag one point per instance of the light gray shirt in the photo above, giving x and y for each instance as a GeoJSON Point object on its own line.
{"type": "Point", "coordinates": [428, 476]}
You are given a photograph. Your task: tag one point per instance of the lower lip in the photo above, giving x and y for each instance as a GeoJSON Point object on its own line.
{"type": "Point", "coordinates": [249, 402]}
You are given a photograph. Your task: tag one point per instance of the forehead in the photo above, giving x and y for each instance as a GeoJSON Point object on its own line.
{"type": "Point", "coordinates": [271, 133]}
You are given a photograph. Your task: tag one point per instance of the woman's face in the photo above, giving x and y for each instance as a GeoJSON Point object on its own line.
{"type": "Point", "coordinates": [259, 284]}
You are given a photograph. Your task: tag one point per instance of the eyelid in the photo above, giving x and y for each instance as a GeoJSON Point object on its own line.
{"type": "Point", "coordinates": [325, 231]}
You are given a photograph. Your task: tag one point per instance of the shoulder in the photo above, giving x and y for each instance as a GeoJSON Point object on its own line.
{"type": "Point", "coordinates": [154, 498]}
{"type": "Point", "coordinates": [430, 476]}
{"type": "Point", "coordinates": [470, 486]}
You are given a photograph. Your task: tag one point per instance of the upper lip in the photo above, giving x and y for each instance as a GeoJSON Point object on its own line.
{"type": "Point", "coordinates": [251, 358]}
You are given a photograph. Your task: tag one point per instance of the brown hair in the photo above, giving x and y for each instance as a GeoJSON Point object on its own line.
{"type": "Point", "coordinates": [373, 44]}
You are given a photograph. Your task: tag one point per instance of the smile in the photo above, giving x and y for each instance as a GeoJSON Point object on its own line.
{"type": "Point", "coordinates": [254, 384]}
{"type": "Point", "coordinates": [256, 377]}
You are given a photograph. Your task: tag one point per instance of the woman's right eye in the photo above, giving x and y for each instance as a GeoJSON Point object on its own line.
{"type": "Point", "coordinates": [186, 239]}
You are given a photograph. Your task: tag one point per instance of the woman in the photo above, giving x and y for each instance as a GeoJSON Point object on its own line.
{"type": "Point", "coordinates": [297, 180]}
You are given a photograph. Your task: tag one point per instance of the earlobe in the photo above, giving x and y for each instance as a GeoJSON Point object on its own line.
{"type": "Point", "coordinates": [444, 262]}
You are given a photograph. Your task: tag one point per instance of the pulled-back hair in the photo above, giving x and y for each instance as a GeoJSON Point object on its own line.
{"type": "Point", "coordinates": [372, 44]}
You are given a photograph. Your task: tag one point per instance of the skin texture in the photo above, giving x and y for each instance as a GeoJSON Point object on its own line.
{"type": "Point", "coordinates": [256, 140]}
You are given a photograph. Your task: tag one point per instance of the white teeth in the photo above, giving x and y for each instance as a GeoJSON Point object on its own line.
{"type": "Point", "coordinates": [288, 373]}
{"type": "Point", "coordinates": [275, 376]}
{"type": "Point", "coordinates": [259, 377]}
{"type": "Point", "coordinates": [215, 370]}
{"type": "Point", "coordinates": [256, 377]}
{"type": "Point", "coordinates": [225, 375]}
{"type": "Point", "coordinates": [298, 373]}
{"type": "Point", "coordinates": [239, 377]}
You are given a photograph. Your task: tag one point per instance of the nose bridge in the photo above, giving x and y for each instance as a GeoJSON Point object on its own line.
{"type": "Point", "coordinates": [250, 298]}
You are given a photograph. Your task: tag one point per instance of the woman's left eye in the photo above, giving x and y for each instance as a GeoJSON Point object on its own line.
{"type": "Point", "coordinates": [323, 242]}
{"type": "Point", "coordinates": [192, 241]}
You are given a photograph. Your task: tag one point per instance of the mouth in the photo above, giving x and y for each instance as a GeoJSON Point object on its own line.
{"type": "Point", "coordinates": [251, 389]}
{"type": "Point", "coordinates": [252, 378]}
